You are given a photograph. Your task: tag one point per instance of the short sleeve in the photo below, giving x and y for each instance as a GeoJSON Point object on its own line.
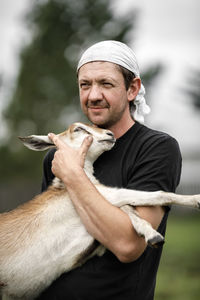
{"type": "Point", "coordinates": [158, 165]}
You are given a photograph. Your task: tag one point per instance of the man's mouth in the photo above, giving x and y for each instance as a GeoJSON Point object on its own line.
{"type": "Point", "coordinates": [97, 105]}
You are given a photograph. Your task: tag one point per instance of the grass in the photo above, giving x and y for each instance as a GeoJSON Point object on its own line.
{"type": "Point", "coordinates": [179, 273]}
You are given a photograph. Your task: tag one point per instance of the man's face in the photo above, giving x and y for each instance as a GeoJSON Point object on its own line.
{"type": "Point", "coordinates": [103, 96]}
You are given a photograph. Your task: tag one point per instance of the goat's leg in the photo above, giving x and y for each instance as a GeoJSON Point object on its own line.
{"type": "Point", "coordinates": [120, 197]}
{"type": "Point", "coordinates": [143, 228]}
{"type": "Point", "coordinates": [159, 198]}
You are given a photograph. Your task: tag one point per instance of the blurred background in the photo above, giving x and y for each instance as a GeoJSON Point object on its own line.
{"type": "Point", "coordinates": [40, 45]}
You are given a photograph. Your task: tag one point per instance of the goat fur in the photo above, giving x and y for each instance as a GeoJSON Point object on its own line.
{"type": "Point", "coordinates": [45, 237]}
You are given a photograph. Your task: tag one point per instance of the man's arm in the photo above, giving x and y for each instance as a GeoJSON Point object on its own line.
{"type": "Point", "coordinates": [105, 222]}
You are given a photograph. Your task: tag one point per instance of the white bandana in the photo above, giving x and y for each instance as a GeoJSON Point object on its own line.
{"type": "Point", "coordinates": [120, 54]}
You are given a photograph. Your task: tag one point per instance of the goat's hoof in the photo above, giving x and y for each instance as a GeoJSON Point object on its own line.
{"type": "Point", "coordinates": [156, 241]}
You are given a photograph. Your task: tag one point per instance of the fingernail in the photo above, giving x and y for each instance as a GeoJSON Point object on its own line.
{"type": "Point", "coordinates": [89, 138]}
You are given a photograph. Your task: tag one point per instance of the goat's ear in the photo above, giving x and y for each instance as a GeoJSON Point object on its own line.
{"type": "Point", "coordinates": [37, 142]}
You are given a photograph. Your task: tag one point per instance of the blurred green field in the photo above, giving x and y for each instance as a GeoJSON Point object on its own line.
{"type": "Point", "coordinates": [179, 272]}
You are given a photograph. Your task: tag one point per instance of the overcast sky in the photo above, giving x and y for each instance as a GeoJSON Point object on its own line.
{"type": "Point", "coordinates": [167, 32]}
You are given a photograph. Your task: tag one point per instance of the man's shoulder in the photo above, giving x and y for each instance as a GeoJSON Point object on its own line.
{"type": "Point", "coordinates": [152, 135]}
{"type": "Point", "coordinates": [158, 146]}
{"type": "Point", "coordinates": [143, 135]}
{"type": "Point", "coordinates": [153, 142]}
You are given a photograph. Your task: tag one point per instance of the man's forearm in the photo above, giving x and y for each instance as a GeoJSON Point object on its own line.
{"type": "Point", "coordinates": [105, 222]}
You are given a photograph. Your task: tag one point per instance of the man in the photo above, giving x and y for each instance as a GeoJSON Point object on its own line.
{"type": "Point", "coordinates": [112, 97]}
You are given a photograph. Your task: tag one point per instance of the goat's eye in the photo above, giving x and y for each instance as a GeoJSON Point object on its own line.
{"type": "Point", "coordinates": [77, 129]}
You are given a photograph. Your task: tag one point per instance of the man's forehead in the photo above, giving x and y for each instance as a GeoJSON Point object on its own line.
{"type": "Point", "coordinates": [101, 68]}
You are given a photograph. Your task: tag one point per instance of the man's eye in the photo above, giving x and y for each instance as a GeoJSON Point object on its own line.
{"type": "Point", "coordinates": [84, 85]}
{"type": "Point", "coordinates": [107, 84]}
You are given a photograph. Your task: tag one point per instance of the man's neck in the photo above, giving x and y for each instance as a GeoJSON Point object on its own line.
{"type": "Point", "coordinates": [121, 127]}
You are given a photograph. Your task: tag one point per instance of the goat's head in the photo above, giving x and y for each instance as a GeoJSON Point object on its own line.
{"type": "Point", "coordinates": [103, 140]}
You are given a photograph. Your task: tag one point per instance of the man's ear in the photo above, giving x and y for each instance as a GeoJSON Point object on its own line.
{"type": "Point", "coordinates": [37, 142]}
{"type": "Point", "coordinates": [134, 88]}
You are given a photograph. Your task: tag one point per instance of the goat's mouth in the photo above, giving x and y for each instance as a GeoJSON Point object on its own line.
{"type": "Point", "coordinates": [110, 141]}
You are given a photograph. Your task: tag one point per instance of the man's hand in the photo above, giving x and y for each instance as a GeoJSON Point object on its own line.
{"type": "Point", "coordinates": [68, 161]}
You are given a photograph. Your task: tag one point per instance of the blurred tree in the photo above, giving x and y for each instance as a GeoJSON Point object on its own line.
{"type": "Point", "coordinates": [46, 95]}
{"type": "Point", "coordinates": [46, 82]}
{"type": "Point", "coordinates": [193, 88]}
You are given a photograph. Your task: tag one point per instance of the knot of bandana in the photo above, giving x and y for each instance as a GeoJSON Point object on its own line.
{"type": "Point", "coordinates": [118, 53]}
{"type": "Point", "coordinates": [140, 108]}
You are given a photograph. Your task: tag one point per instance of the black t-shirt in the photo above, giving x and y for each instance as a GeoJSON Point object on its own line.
{"type": "Point", "coordinates": [142, 159]}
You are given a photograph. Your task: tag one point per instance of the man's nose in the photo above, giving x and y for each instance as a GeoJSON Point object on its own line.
{"type": "Point", "coordinates": [95, 93]}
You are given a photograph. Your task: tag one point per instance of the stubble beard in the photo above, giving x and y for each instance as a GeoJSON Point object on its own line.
{"type": "Point", "coordinates": [108, 121]}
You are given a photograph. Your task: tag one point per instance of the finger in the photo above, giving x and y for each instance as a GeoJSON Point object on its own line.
{"type": "Point", "coordinates": [86, 145]}
{"type": "Point", "coordinates": [56, 140]}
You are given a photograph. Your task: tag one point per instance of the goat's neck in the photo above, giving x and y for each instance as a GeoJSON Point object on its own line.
{"type": "Point", "coordinates": [89, 170]}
